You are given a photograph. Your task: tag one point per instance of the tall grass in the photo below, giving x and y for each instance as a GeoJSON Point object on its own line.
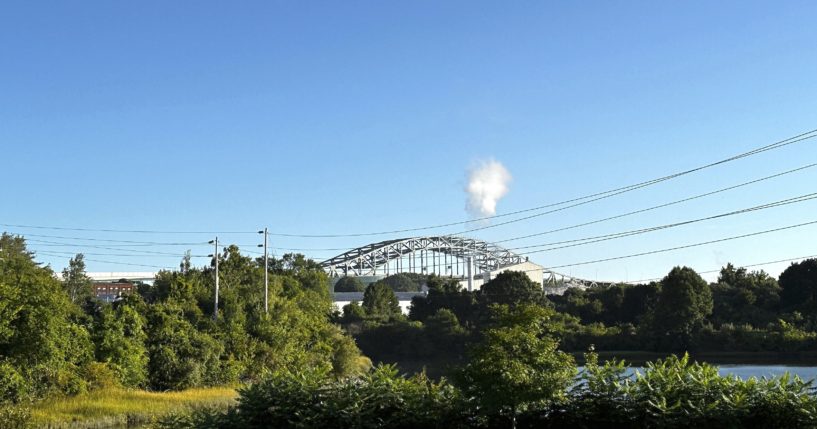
{"type": "Point", "coordinates": [118, 407]}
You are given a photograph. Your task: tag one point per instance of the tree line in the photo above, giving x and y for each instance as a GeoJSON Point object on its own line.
{"type": "Point", "coordinates": [57, 339]}
{"type": "Point", "coordinates": [743, 310]}
{"type": "Point", "coordinates": [505, 346]}
{"type": "Point", "coordinates": [516, 377]}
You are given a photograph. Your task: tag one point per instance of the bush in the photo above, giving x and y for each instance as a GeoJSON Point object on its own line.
{"type": "Point", "coordinates": [13, 387]}
{"type": "Point", "coordinates": [101, 376]}
{"type": "Point", "coordinates": [379, 399]}
{"type": "Point", "coordinates": [14, 417]}
{"type": "Point", "coordinates": [675, 393]}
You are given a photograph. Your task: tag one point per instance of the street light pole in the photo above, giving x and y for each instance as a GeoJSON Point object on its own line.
{"type": "Point", "coordinates": [215, 254]}
{"type": "Point", "coordinates": [266, 272]}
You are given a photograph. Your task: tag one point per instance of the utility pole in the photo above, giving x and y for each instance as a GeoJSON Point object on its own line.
{"type": "Point", "coordinates": [266, 272]}
{"type": "Point", "coordinates": [215, 254]}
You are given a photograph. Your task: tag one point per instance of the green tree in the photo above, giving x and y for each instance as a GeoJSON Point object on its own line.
{"type": "Point", "coordinates": [179, 355]}
{"type": "Point", "coordinates": [516, 366]}
{"type": "Point", "coordinates": [443, 284]}
{"type": "Point", "coordinates": [349, 284]}
{"type": "Point", "coordinates": [379, 300]}
{"type": "Point", "coordinates": [353, 312]}
{"type": "Point", "coordinates": [742, 297]}
{"type": "Point", "coordinates": [38, 333]}
{"type": "Point", "coordinates": [76, 283]}
{"type": "Point", "coordinates": [293, 263]}
{"type": "Point", "coordinates": [404, 282]}
{"type": "Point", "coordinates": [799, 287]}
{"type": "Point", "coordinates": [683, 303]}
{"type": "Point", "coordinates": [119, 336]}
{"type": "Point", "coordinates": [445, 293]}
{"type": "Point", "coordinates": [513, 287]}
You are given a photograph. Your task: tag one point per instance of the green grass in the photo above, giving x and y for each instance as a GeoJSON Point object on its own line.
{"type": "Point", "coordinates": [118, 407]}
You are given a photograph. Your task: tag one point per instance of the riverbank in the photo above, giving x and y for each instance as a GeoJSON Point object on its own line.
{"type": "Point", "coordinates": [438, 367]}
{"type": "Point", "coordinates": [639, 358]}
{"type": "Point", "coordinates": [109, 408]}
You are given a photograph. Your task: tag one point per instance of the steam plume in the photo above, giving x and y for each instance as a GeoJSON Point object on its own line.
{"type": "Point", "coordinates": [487, 184]}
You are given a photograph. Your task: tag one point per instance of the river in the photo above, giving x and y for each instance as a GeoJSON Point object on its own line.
{"type": "Point", "coordinates": [748, 371]}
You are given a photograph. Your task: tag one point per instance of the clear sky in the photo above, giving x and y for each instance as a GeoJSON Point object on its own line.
{"type": "Point", "coordinates": [345, 117]}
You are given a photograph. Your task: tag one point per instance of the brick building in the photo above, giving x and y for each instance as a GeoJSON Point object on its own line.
{"type": "Point", "coordinates": [109, 292]}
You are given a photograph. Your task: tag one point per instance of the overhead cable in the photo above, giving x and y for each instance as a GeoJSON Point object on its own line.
{"type": "Point", "coordinates": [593, 197]}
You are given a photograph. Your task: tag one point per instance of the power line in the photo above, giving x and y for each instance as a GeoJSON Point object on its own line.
{"type": "Point", "coordinates": [799, 258]}
{"type": "Point", "coordinates": [82, 245]}
{"type": "Point", "coordinates": [141, 243]}
{"type": "Point", "coordinates": [119, 254]}
{"type": "Point", "coordinates": [130, 231]}
{"type": "Point", "coordinates": [687, 199]}
{"type": "Point", "coordinates": [607, 237]}
{"type": "Point", "coordinates": [110, 262]}
{"type": "Point", "coordinates": [694, 197]}
{"type": "Point", "coordinates": [594, 197]}
{"type": "Point", "coordinates": [768, 231]}
{"type": "Point", "coordinates": [595, 239]}
{"type": "Point", "coordinates": [589, 240]}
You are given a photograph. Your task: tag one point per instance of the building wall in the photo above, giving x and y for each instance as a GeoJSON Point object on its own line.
{"type": "Point", "coordinates": [109, 292]}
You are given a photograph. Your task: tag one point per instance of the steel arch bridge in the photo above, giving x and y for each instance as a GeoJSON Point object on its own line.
{"type": "Point", "coordinates": [443, 255]}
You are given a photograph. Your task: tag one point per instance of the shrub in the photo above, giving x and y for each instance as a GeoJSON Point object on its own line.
{"type": "Point", "coordinates": [675, 393]}
{"type": "Point", "coordinates": [379, 399]}
{"type": "Point", "coordinates": [14, 417]}
{"type": "Point", "coordinates": [13, 387]}
{"type": "Point", "coordinates": [101, 376]}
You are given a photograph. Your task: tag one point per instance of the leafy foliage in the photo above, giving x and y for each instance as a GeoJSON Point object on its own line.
{"type": "Point", "coordinates": [379, 399]}
{"type": "Point", "coordinates": [513, 287]}
{"type": "Point", "coordinates": [799, 288]}
{"type": "Point", "coordinates": [683, 304]}
{"type": "Point", "coordinates": [166, 337]}
{"type": "Point", "coordinates": [75, 281]}
{"type": "Point", "coordinates": [379, 300]}
{"type": "Point", "coordinates": [676, 393]}
{"type": "Point", "coordinates": [119, 336]}
{"type": "Point", "coordinates": [39, 334]}
{"type": "Point", "coordinates": [516, 366]}
{"type": "Point", "coordinates": [349, 284]}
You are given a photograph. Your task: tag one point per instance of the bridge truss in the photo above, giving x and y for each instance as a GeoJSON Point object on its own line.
{"type": "Point", "coordinates": [443, 255]}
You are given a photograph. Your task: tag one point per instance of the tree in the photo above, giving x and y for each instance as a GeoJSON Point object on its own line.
{"type": "Point", "coordinates": [513, 287]}
{"type": "Point", "coordinates": [444, 330]}
{"type": "Point", "coordinates": [404, 282]}
{"type": "Point", "coordinates": [185, 264]}
{"type": "Point", "coordinates": [516, 366]}
{"type": "Point", "coordinates": [445, 293]}
{"type": "Point", "coordinates": [684, 301]}
{"type": "Point", "coordinates": [293, 263]}
{"type": "Point", "coordinates": [75, 281]}
{"type": "Point", "coordinates": [353, 312]}
{"type": "Point", "coordinates": [380, 300]}
{"type": "Point", "coordinates": [119, 336]}
{"type": "Point", "coordinates": [741, 297]}
{"type": "Point", "coordinates": [443, 284]}
{"type": "Point", "coordinates": [38, 333]}
{"type": "Point", "coordinates": [349, 284]}
{"type": "Point", "coordinates": [180, 356]}
{"type": "Point", "coordinates": [799, 287]}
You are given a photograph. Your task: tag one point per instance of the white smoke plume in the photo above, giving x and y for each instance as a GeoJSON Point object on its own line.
{"type": "Point", "coordinates": [487, 184]}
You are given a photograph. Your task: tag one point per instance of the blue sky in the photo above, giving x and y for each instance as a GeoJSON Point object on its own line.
{"type": "Point", "coordinates": [345, 117]}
